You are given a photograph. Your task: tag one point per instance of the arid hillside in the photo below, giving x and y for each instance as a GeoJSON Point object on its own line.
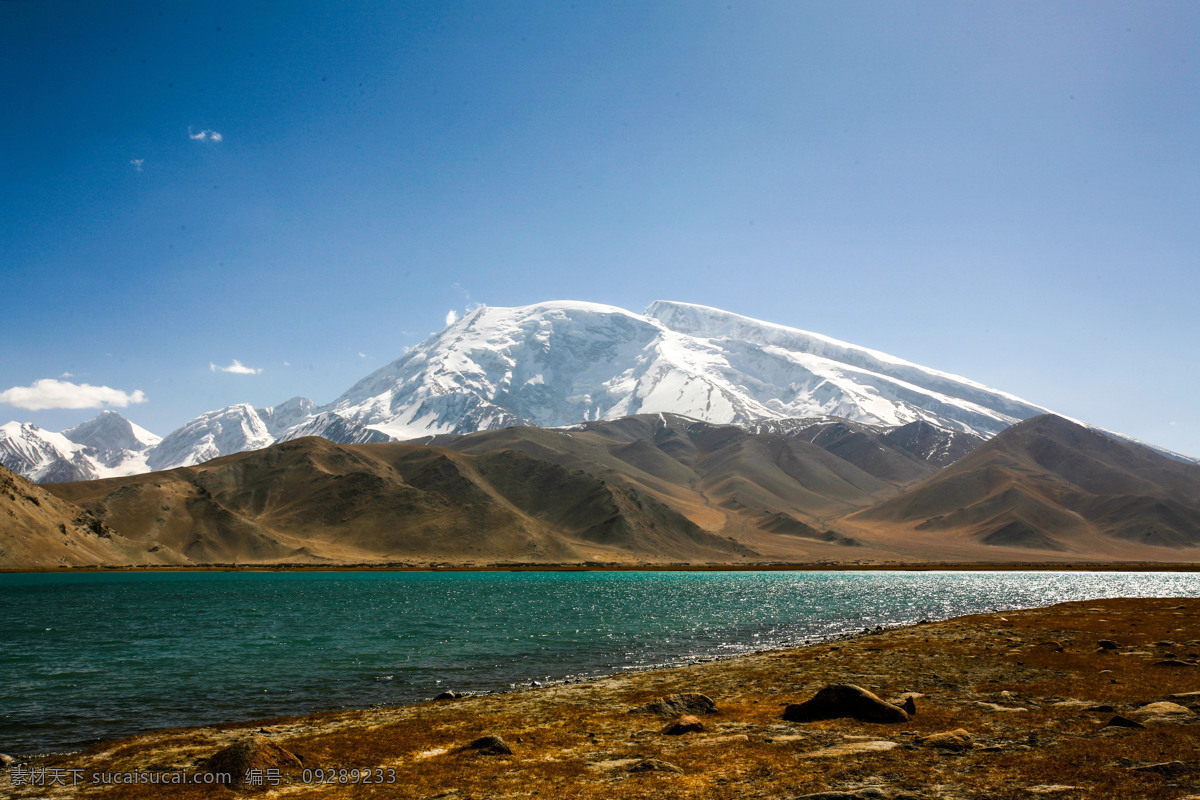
{"type": "Point", "coordinates": [648, 489]}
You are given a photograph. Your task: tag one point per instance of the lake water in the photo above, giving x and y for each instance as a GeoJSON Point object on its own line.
{"type": "Point", "coordinates": [91, 656]}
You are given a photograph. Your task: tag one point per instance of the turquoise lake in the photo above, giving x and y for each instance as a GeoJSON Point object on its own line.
{"type": "Point", "coordinates": [86, 657]}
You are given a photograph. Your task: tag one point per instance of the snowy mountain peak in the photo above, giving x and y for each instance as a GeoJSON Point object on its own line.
{"type": "Point", "coordinates": [216, 433]}
{"type": "Point", "coordinates": [558, 363]}
{"type": "Point", "coordinates": [111, 431]}
{"type": "Point", "coordinates": [103, 447]}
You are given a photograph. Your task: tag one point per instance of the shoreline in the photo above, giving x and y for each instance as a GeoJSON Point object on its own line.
{"type": "Point", "coordinates": [922, 566]}
{"type": "Point", "coordinates": [1033, 690]}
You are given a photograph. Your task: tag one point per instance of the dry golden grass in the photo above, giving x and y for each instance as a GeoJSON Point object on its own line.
{"type": "Point", "coordinates": [1001, 677]}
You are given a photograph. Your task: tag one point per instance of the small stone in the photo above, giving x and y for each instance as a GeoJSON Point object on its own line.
{"type": "Point", "coordinates": [1174, 662]}
{"type": "Point", "coordinates": [1119, 721]}
{"type": "Point", "coordinates": [851, 748]}
{"type": "Point", "coordinates": [957, 740]}
{"type": "Point", "coordinates": [6, 761]}
{"type": "Point", "coordinates": [685, 724]}
{"type": "Point", "coordinates": [655, 765]}
{"type": "Point", "coordinates": [490, 746]}
{"type": "Point", "coordinates": [866, 793]}
{"type": "Point", "coordinates": [449, 694]}
{"type": "Point", "coordinates": [1107, 644]}
{"type": "Point", "coordinates": [844, 700]}
{"type": "Point", "coordinates": [1168, 768]}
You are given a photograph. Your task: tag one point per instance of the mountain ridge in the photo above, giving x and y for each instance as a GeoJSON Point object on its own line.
{"type": "Point", "coordinates": [660, 488]}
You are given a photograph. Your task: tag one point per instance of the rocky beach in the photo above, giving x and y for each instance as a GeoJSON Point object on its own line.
{"type": "Point", "coordinates": [1092, 699]}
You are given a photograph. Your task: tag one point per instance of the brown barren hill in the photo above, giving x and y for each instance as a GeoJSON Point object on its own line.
{"type": "Point", "coordinates": [39, 530]}
{"type": "Point", "coordinates": [1070, 701]}
{"type": "Point", "coordinates": [312, 501]}
{"type": "Point", "coordinates": [1051, 486]}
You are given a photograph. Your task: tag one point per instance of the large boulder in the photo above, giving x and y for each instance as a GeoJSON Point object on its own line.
{"type": "Point", "coordinates": [841, 700]}
{"type": "Point", "coordinates": [679, 705]}
{"type": "Point", "coordinates": [685, 724]}
{"type": "Point", "coordinates": [655, 765]}
{"type": "Point", "coordinates": [251, 753]}
{"type": "Point", "coordinates": [490, 746]}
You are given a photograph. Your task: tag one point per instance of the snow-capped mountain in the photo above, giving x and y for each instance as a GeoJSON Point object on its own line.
{"type": "Point", "coordinates": [111, 438]}
{"type": "Point", "coordinates": [556, 364]}
{"type": "Point", "coordinates": [103, 447]}
{"type": "Point", "coordinates": [559, 363]}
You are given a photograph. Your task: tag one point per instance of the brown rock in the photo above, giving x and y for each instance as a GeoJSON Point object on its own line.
{"type": "Point", "coordinates": [1107, 644]}
{"type": "Point", "coordinates": [1174, 662]}
{"type": "Point", "coordinates": [254, 752]}
{"type": "Point", "coordinates": [844, 700]}
{"type": "Point", "coordinates": [490, 746]}
{"type": "Point", "coordinates": [654, 765]}
{"type": "Point", "coordinates": [685, 724]}
{"type": "Point", "coordinates": [1163, 711]}
{"type": "Point", "coordinates": [957, 739]}
{"type": "Point", "coordinates": [677, 705]}
{"type": "Point", "coordinates": [1119, 721]}
{"type": "Point", "coordinates": [1168, 768]}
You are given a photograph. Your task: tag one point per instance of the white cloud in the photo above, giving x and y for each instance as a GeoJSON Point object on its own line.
{"type": "Point", "coordinates": [451, 317]}
{"type": "Point", "coordinates": [204, 135]}
{"type": "Point", "coordinates": [51, 393]}
{"type": "Point", "coordinates": [237, 368]}
{"type": "Point", "coordinates": [137, 163]}
{"type": "Point", "coordinates": [362, 355]}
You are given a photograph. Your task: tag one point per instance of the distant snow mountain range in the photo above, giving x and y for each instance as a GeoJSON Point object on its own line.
{"type": "Point", "coordinates": [553, 364]}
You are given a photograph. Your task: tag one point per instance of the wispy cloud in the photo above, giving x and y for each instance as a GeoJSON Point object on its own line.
{"type": "Point", "coordinates": [237, 368]}
{"type": "Point", "coordinates": [451, 317]}
{"type": "Point", "coordinates": [52, 393]}
{"type": "Point", "coordinates": [137, 163]}
{"type": "Point", "coordinates": [204, 135]}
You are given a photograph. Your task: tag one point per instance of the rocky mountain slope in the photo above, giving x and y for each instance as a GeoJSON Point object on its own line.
{"type": "Point", "coordinates": [40, 531]}
{"type": "Point", "coordinates": [1053, 486]}
{"type": "Point", "coordinates": [313, 501]}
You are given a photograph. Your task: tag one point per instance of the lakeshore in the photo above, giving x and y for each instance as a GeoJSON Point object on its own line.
{"type": "Point", "coordinates": [1089, 699]}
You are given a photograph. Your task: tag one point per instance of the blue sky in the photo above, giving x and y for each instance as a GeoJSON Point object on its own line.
{"type": "Point", "coordinates": [1006, 191]}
